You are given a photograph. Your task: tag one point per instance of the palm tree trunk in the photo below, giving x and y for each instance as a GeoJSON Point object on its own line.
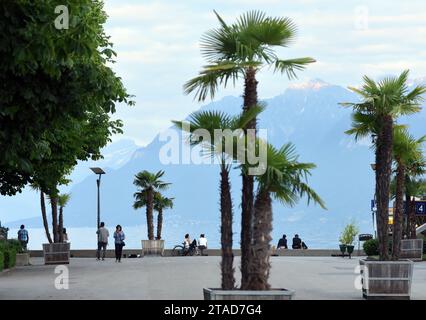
{"type": "Point", "coordinates": [397, 219]}
{"type": "Point", "coordinates": [383, 175]}
{"type": "Point", "coordinates": [407, 208]}
{"type": "Point", "coordinates": [227, 264]}
{"type": "Point", "coordinates": [61, 224]}
{"type": "Point", "coordinates": [259, 263]}
{"type": "Point", "coordinates": [44, 216]}
{"type": "Point", "coordinates": [149, 214]}
{"type": "Point", "coordinates": [250, 100]}
{"type": "Point", "coordinates": [54, 206]}
{"type": "Point", "coordinates": [159, 223]}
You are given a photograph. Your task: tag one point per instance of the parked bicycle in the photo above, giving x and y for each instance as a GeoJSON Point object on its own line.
{"type": "Point", "coordinates": [180, 250]}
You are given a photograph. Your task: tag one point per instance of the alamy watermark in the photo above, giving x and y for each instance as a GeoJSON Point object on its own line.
{"type": "Point", "coordinates": [225, 145]}
{"type": "Point", "coordinates": [62, 21]}
{"type": "Point", "coordinates": [62, 280]}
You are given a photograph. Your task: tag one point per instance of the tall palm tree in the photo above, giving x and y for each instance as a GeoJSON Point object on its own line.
{"type": "Point", "coordinates": [406, 151]}
{"type": "Point", "coordinates": [382, 103]}
{"type": "Point", "coordinates": [36, 187]}
{"type": "Point", "coordinates": [148, 183]}
{"type": "Point", "coordinates": [161, 203]}
{"type": "Point", "coordinates": [211, 121]}
{"type": "Point", "coordinates": [53, 197]}
{"type": "Point", "coordinates": [284, 180]}
{"type": "Point", "coordinates": [63, 200]}
{"type": "Point", "coordinates": [241, 50]}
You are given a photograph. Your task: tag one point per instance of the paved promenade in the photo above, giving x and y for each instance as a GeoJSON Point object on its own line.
{"type": "Point", "coordinates": [184, 278]}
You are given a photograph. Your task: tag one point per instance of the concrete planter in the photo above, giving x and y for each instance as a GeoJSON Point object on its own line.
{"type": "Point", "coordinates": [56, 253]}
{"type": "Point", "coordinates": [273, 294]}
{"type": "Point", "coordinates": [412, 249]}
{"type": "Point", "coordinates": [152, 247]}
{"type": "Point", "coordinates": [22, 259]}
{"type": "Point", "coordinates": [386, 279]}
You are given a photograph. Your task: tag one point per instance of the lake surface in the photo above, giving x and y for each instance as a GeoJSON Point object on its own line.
{"type": "Point", "coordinates": [85, 238]}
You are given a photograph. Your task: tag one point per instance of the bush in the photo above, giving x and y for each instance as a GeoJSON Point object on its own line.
{"type": "Point", "coordinates": [9, 258]}
{"type": "Point", "coordinates": [371, 247]}
{"type": "Point", "coordinates": [1, 261]}
{"type": "Point", "coordinates": [15, 244]}
{"type": "Point", "coordinates": [349, 233]}
{"type": "Point", "coordinates": [9, 249]}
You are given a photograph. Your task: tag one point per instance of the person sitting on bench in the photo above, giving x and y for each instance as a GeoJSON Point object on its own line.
{"type": "Point", "coordinates": [282, 243]}
{"type": "Point", "coordinates": [297, 242]}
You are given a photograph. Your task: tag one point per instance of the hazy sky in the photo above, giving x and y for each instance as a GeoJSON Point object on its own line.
{"type": "Point", "coordinates": [157, 42]}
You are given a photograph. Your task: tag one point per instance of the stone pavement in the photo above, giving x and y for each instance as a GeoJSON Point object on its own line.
{"type": "Point", "coordinates": [184, 277]}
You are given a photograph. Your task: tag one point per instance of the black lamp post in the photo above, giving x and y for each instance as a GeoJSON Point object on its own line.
{"type": "Point", "coordinates": [373, 166]}
{"type": "Point", "coordinates": [99, 172]}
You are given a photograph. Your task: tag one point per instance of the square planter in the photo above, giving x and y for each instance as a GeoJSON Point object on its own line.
{"type": "Point", "coordinates": [56, 253]}
{"type": "Point", "coordinates": [273, 294]}
{"type": "Point", "coordinates": [412, 249]}
{"type": "Point", "coordinates": [152, 247]}
{"type": "Point", "coordinates": [386, 279]}
{"type": "Point", "coordinates": [22, 259]}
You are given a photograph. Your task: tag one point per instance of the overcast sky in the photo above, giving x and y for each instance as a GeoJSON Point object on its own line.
{"type": "Point", "coordinates": [157, 42]}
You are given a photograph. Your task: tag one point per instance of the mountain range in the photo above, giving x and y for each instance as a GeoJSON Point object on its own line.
{"type": "Point", "coordinates": [308, 115]}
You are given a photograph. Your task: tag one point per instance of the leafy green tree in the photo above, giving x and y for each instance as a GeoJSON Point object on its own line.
{"type": "Point", "coordinates": [48, 77]}
{"type": "Point", "coordinates": [407, 151]}
{"type": "Point", "coordinates": [160, 204]}
{"type": "Point", "coordinates": [148, 184]}
{"type": "Point", "coordinates": [241, 50]}
{"type": "Point", "coordinates": [210, 122]}
{"type": "Point", "coordinates": [381, 105]}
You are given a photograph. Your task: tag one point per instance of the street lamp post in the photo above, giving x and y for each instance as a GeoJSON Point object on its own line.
{"type": "Point", "coordinates": [374, 205]}
{"type": "Point", "coordinates": [99, 172]}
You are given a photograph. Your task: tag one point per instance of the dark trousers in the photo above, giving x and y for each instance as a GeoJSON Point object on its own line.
{"type": "Point", "coordinates": [118, 251]}
{"type": "Point", "coordinates": [101, 246]}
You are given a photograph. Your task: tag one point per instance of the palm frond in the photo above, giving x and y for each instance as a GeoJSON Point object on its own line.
{"type": "Point", "coordinates": [290, 66]}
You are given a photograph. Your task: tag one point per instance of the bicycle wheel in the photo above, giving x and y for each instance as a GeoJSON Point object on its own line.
{"type": "Point", "coordinates": [177, 251]}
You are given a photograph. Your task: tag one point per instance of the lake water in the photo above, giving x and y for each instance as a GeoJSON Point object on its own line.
{"type": "Point", "coordinates": [85, 238]}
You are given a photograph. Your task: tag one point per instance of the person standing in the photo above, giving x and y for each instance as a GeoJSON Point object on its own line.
{"type": "Point", "coordinates": [119, 242]}
{"type": "Point", "coordinates": [23, 237]}
{"type": "Point", "coordinates": [103, 235]}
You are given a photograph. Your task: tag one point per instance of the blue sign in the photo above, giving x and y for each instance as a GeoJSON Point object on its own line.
{"type": "Point", "coordinates": [420, 207]}
{"type": "Point", "coordinates": [373, 205]}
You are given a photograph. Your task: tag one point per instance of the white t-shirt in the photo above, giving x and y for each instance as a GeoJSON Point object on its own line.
{"type": "Point", "coordinates": [202, 242]}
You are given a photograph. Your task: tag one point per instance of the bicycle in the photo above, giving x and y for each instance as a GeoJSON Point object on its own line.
{"type": "Point", "coordinates": [180, 250]}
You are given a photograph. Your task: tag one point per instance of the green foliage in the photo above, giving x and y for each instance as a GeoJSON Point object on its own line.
{"type": "Point", "coordinates": [231, 49]}
{"type": "Point", "coordinates": [15, 244]}
{"type": "Point", "coordinates": [56, 88]}
{"type": "Point", "coordinates": [371, 247]}
{"type": "Point", "coordinates": [147, 182]}
{"type": "Point", "coordinates": [161, 202]}
{"type": "Point", "coordinates": [1, 260]}
{"type": "Point", "coordinates": [348, 234]}
{"type": "Point", "coordinates": [8, 250]}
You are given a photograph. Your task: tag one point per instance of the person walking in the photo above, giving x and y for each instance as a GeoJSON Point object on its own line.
{"type": "Point", "coordinates": [23, 237]}
{"type": "Point", "coordinates": [119, 242]}
{"type": "Point", "coordinates": [103, 235]}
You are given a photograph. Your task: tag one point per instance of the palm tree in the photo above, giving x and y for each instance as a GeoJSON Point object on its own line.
{"type": "Point", "coordinates": [149, 183]}
{"type": "Point", "coordinates": [211, 121]}
{"type": "Point", "coordinates": [406, 152]}
{"type": "Point", "coordinates": [382, 103]}
{"type": "Point", "coordinates": [36, 187]}
{"type": "Point", "coordinates": [63, 200]}
{"type": "Point", "coordinates": [284, 180]}
{"type": "Point", "coordinates": [241, 50]}
{"type": "Point", "coordinates": [161, 203]}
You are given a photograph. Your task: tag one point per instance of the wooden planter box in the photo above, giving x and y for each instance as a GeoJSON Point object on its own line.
{"type": "Point", "coordinates": [412, 249]}
{"type": "Point", "coordinates": [56, 253]}
{"type": "Point", "coordinates": [152, 247]}
{"type": "Point", "coordinates": [273, 294]}
{"type": "Point", "coordinates": [386, 279]}
{"type": "Point", "coordinates": [22, 259]}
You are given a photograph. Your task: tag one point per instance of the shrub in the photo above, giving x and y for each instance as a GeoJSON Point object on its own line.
{"type": "Point", "coordinates": [15, 244]}
{"type": "Point", "coordinates": [349, 233]}
{"type": "Point", "coordinates": [371, 247]}
{"type": "Point", "coordinates": [9, 249]}
{"type": "Point", "coordinates": [1, 261]}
